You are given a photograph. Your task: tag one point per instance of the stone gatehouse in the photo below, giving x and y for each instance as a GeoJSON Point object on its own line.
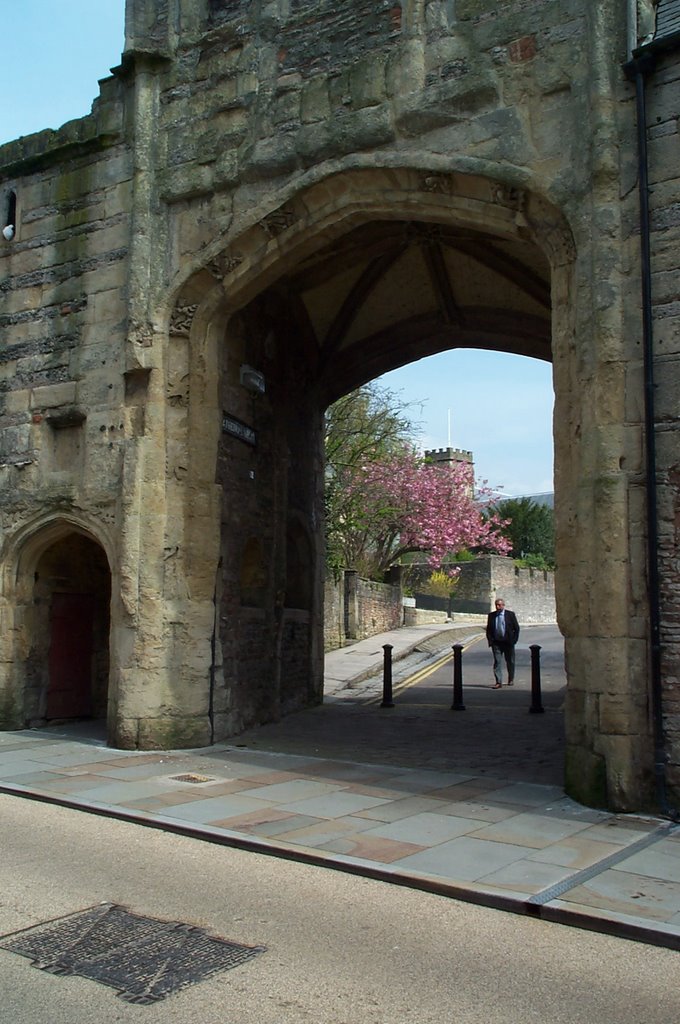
{"type": "Point", "coordinates": [271, 202]}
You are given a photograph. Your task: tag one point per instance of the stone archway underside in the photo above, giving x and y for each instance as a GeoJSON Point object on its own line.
{"type": "Point", "coordinates": [361, 273]}
{"type": "Point", "coordinates": [448, 259]}
{"type": "Point", "coordinates": [389, 292]}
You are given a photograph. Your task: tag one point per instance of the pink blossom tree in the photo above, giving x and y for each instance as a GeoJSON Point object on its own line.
{"type": "Point", "coordinates": [402, 504]}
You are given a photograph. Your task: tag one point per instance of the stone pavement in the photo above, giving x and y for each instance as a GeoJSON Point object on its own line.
{"type": "Point", "coordinates": [485, 837]}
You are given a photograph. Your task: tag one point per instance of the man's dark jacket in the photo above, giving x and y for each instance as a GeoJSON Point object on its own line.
{"type": "Point", "coordinates": [511, 628]}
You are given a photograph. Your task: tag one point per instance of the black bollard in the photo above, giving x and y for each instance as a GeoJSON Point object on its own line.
{"type": "Point", "coordinates": [458, 678]}
{"type": "Point", "coordinates": [387, 701]}
{"type": "Point", "coordinates": [536, 705]}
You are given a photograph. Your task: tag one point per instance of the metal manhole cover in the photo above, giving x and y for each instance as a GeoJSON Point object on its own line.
{"type": "Point", "coordinates": [144, 959]}
{"type": "Point", "coordinates": [191, 777]}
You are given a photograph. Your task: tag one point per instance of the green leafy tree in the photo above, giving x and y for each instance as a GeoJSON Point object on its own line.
{"type": "Point", "coordinates": [530, 529]}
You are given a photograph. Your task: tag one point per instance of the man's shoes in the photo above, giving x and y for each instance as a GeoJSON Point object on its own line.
{"type": "Point", "coordinates": [511, 682]}
{"type": "Point", "coordinates": [496, 686]}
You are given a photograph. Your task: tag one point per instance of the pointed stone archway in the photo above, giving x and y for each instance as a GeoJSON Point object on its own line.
{"type": "Point", "coordinates": [61, 605]}
{"type": "Point", "coordinates": [365, 271]}
{"type": "Point", "coordinates": [260, 212]}
{"type": "Point", "coordinates": [359, 273]}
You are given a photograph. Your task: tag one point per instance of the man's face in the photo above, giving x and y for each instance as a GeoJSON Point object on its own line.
{"type": "Point", "coordinates": [500, 605]}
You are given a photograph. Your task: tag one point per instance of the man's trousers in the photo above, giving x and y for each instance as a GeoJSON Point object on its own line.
{"type": "Point", "coordinates": [502, 650]}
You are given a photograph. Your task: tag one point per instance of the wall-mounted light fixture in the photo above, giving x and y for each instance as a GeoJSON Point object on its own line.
{"type": "Point", "coordinates": [252, 379]}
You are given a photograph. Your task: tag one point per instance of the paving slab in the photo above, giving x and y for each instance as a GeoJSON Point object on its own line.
{"type": "Point", "coordinates": [511, 843]}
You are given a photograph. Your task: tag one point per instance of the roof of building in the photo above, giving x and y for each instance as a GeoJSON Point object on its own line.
{"type": "Point", "coordinates": [667, 19]}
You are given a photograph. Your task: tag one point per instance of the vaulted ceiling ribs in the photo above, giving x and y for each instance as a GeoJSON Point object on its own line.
{"type": "Point", "coordinates": [391, 292]}
{"type": "Point", "coordinates": [378, 247]}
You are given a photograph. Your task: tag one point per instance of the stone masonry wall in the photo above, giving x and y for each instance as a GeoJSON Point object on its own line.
{"type": "Point", "coordinates": [529, 592]}
{"type": "Point", "coordinates": [334, 614]}
{"type": "Point", "coordinates": [379, 608]}
{"type": "Point", "coordinates": [62, 320]}
{"type": "Point", "coordinates": [236, 140]}
{"type": "Point", "coordinates": [356, 608]}
{"type": "Point", "coordinates": [62, 315]}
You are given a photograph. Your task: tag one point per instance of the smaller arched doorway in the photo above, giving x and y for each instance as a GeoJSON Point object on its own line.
{"type": "Point", "coordinates": [67, 669]}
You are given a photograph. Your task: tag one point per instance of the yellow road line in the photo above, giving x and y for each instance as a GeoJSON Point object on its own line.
{"type": "Point", "coordinates": [423, 673]}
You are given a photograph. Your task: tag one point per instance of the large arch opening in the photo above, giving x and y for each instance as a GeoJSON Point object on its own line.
{"type": "Point", "coordinates": [382, 295]}
{"type": "Point", "coordinates": [342, 303]}
{"type": "Point", "coordinates": [358, 274]}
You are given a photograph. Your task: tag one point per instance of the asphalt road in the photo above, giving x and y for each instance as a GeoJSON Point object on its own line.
{"type": "Point", "coordinates": [477, 662]}
{"type": "Point", "coordinates": [339, 949]}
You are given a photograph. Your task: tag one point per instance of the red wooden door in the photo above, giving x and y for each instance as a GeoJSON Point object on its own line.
{"type": "Point", "coordinates": [69, 693]}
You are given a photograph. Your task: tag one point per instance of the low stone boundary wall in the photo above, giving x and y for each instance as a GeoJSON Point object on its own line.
{"type": "Point", "coordinates": [356, 608]}
{"type": "Point", "coordinates": [529, 592]}
{"type": "Point", "coordinates": [414, 616]}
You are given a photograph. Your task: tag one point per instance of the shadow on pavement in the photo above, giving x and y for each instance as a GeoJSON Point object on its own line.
{"type": "Point", "coordinates": [502, 742]}
{"type": "Point", "coordinates": [495, 736]}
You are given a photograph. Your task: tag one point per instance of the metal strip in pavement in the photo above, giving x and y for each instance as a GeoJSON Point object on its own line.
{"type": "Point", "coordinates": [555, 891]}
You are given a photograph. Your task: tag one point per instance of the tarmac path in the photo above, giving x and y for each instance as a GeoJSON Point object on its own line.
{"type": "Point", "coordinates": [495, 736]}
{"type": "Point", "coordinates": [340, 949]}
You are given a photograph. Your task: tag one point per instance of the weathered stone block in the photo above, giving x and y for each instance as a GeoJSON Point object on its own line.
{"type": "Point", "coordinates": [345, 133]}
{"type": "Point", "coordinates": [271, 158]}
{"type": "Point", "coordinates": [585, 777]}
{"type": "Point", "coordinates": [186, 181]}
{"type": "Point", "coordinates": [630, 770]}
{"type": "Point", "coordinates": [621, 716]}
{"type": "Point", "coordinates": [315, 102]}
{"type": "Point", "coordinates": [445, 104]}
{"type": "Point", "coordinates": [367, 82]}
{"type": "Point", "coordinates": [286, 110]}
{"type": "Point", "coordinates": [54, 395]}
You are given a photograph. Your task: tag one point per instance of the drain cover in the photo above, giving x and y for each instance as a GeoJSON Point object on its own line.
{"type": "Point", "coordinates": [191, 777]}
{"type": "Point", "coordinates": [144, 959]}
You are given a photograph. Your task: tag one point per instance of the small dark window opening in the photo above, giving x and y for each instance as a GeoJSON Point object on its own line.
{"type": "Point", "coordinates": [10, 226]}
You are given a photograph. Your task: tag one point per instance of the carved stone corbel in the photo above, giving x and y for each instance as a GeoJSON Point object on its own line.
{"type": "Point", "coordinates": [141, 333]}
{"type": "Point", "coordinates": [510, 196]}
{"type": "Point", "coordinates": [182, 318]}
{"type": "Point", "coordinates": [178, 391]}
{"type": "Point", "coordinates": [224, 263]}
{"type": "Point", "coordinates": [437, 183]}
{"type": "Point", "coordinates": [278, 221]}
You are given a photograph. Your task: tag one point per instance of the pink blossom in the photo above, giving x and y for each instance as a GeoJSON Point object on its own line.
{"type": "Point", "coordinates": [403, 504]}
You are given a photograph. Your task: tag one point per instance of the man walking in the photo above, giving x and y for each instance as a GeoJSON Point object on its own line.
{"type": "Point", "coordinates": [502, 632]}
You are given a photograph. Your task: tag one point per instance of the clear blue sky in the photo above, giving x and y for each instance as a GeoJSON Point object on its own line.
{"type": "Point", "coordinates": [53, 54]}
{"type": "Point", "coordinates": [500, 406]}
